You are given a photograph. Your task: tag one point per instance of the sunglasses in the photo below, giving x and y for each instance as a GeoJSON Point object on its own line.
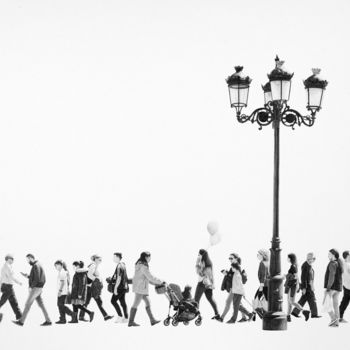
{"type": "Point", "coordinates": [230, 258]}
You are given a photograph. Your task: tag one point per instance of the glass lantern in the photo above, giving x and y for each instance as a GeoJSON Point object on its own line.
{"type": "Point", "coordinates": [315, 87]}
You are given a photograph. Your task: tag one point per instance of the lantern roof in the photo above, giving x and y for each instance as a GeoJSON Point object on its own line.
{"type": "Point", "coordinates": [238, 78]}
{"type": "Point", "coordinates": [266, 87]}
{"type": "Point", "coordinates": [280, 72]}
{"type": "Point", "coordinates": [315, 80]}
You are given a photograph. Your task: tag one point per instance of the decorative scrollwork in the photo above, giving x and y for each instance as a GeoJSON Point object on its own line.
{"type": "Point", "coordinates": [273, 110]}
{"type": "Point", "coordinates": [290, 117]}
{"type": "Point", "coordinates": [262, 116]}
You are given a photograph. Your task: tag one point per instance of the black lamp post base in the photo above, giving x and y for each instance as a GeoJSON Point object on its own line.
{"type": "Point", "coordinates": [275, 321]}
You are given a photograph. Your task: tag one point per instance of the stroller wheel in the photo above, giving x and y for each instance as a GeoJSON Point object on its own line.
{"type": "Point", "coordinates": [166, 322]}
{"type": "Point", "coordinates": [198, 321]}
{"type": "Point", "coordinates": [175, 322]}
{"type": "Point", "coordinates": [186, 323]}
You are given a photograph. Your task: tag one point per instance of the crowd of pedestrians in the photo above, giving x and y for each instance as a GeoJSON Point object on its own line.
{"type": "Point", "coordinates": [74, 295]}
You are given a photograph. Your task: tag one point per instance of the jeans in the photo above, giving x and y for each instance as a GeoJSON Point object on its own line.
{"type": "Point", "coordinates": [8, 294]}
{"type": "Point", "coordinates": [138, 298]}
{"type": "Point", "coordinates": [237, 298]}
{"type": "Point", "coordinates": [200, 290]}
{"type": "Point", "coordinates": [62, 308]}
{"type": "Point", "coordinates": [335, 299]}
{"type": "Point", "coordinates": [121, 298]}
{"type": "Point", "coordinates": [98, 302]}
{"type": "Point", "coordinates": [228, 303]}
{"type": "Point", "coordinates": [34, 294]}
{"type": "Point", "coordinates": [345, 302]}
{"type": "Point", "coordinates": [310, 298]}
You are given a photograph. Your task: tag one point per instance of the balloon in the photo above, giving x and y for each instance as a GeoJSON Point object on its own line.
{"type": "Point", "coordinates": [213, 228]}
{"type": "Point", "coordinates": [215, 239]}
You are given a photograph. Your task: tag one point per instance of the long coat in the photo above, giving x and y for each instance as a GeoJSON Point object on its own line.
{"type": "Point", "coordinates": [142, 279]}
{"type": "Point", "coordinates": [79, 285]}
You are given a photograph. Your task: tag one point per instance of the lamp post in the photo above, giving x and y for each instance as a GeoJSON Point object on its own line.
{"type": "Point", "coordinates": [275, 112]}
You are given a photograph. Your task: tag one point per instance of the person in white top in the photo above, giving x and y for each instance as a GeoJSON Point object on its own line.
{"type": "Point", "coordinates": [237, 290]}
{"type": "Point", "coordinates": [94, 288]}
{"type": "Point", "coordinates": [346, 286]}
{"type": "Point", "coordinates": [7, 279]}
{"type": "Point", "coordinates": [62, 291]}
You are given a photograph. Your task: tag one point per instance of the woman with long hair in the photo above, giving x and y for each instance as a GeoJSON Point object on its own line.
{"type": "Point", "coordinates": [333, 284]}
{"type": "Point", "coordinates": [140, 286]}
{"type": "Point", "coordinates": [79, 291]}
{"type": "Point", "coordinates": [204, 269]}
{"type": "Point", "coordinates": [292, 287]}
{"type": "Point", "coordinates": [62, 291]}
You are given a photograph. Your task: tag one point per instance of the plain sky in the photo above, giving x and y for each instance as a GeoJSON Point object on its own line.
{"type": "Point", "coordinates": [116, 132]}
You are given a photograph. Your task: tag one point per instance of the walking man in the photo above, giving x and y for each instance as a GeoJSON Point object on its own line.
{"type": "Point", "coordinates": [307, 287]}
{"type": "Point", "coordinates": [346, 286]}
{"type": "Point", "coordinates": [37, 281]}
{"type": "Point", "coordinates": [6, 282]}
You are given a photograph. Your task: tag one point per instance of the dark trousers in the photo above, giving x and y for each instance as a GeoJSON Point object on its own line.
{"type": "Point", "coordinates": [8, 294]}
{"type": "Point", "coordinates": [310, 298]}
{"type": "Point", "coordinates": [344, 302]}
{"type": "Point", "coordinates": [62, 308]}
{"type": "Point", "coordinates": [243, 310]}
{"type": "Point", "coordinates": [200, 290]}
{"type": "Point", "coordinates": [237, 298]}
{"type": "Point", "coordinates": [82, 309]}
{"type": "Point", "coordinates": [121, 298]}
{"type": "Point", "coordinates": [98, 302]}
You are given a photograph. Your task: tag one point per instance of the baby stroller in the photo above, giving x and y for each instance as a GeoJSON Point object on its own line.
{"type": "Point", "coordinates": [186, 310]}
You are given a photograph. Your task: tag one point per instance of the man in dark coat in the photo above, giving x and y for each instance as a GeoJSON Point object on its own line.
{"type": "Point", "coordinates": [307, 287]}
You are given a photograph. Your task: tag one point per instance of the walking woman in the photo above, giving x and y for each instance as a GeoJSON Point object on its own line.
{"type": "Point", "coordinates": [291, 288]}
{"type": "Point", "coordinates": [79, 291]}
{"type": "Point", "coordinates": [62, 291]}
{"type": "Point", "coordinates": [140, 286]}
{"type": "Point", "coordinates": [121, 287]}
{"type": "Point", "coordinates": [260, 298]}
{"type": "Point", "coordinates": [94, 287]}
{"type": "Point", "coordinates": [227, 285]}
{"type": "Point", "coordinates": [204, 269]}
{"type": "Point", "coordinates": [333, 284]}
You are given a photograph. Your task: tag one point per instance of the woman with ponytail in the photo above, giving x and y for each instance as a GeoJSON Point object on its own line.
{"type": "Point", "coordinates": [62, 291]}
{"type": "Point", "coordinates": [333, 285]}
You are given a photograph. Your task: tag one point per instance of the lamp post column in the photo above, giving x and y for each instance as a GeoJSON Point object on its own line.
{"type": "Point", "coordinates": [275, 319]}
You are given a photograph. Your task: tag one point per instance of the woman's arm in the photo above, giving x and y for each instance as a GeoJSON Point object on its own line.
{"type": "Point", "coordinates": [150, 277]}
{"type": "Point", "coordinates": [331, 276]}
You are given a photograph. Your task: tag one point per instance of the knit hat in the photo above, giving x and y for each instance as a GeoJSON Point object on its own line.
{"type": "Point", "coordinates": [335, 253]}
{"type": "Point", "coordinates": [310, 256]}
{"type": "Point", "coordinates": [264, 253]}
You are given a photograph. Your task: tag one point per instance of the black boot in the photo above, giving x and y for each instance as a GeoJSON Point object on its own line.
{"type": "Point", "coordinates": [132, 323]}
{"type": "Point", "coordinates": [74, 318]}
{"type": "Point", "coordinates": [289, 319]}
{"type": "Point", "coordinates": [306, 315]}
{"type": "Point", "coordinates": [150, 315]}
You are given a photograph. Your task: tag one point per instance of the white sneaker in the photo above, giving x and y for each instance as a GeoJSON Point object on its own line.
{"type": "Point", "coordinates": [124, 320]}
{"type": "Point", "coordinates": [118, 319]}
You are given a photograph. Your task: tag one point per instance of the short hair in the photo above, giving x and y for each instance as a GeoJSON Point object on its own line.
{"type": "Point", "coordinates": [30, 256]}
{"type": "Point", "coordinates": [346, 254]}
{"type": "Point", "coordinates": [119, 255]}
{"type": "Point", "coordinates": [8, 257]}
{"type": "Point", "coordinates": [58, 262]}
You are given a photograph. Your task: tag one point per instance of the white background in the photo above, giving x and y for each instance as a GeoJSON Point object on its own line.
{"type": "Point", "coordinates": [116, 135]}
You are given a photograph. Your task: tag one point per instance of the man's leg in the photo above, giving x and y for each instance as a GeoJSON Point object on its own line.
{"type": "Point", "coordinates": [5, 294]}
{"type": "Point", "coordinates": [14, 304]}
{"type": "Point", "coordinates": [312, 303]}
{"type": "Point", "coordinates": [33, 293]}
{"type": "Point", "coordinates": [40, 302]}
{"type": "Point", "coordinates": [302, 301]}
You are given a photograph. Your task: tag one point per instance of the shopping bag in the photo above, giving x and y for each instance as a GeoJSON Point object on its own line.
{"type": "Point", "coordinates": [327, 305]}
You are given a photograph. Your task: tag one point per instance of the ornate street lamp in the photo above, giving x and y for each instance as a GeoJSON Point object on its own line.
{"type": "Point", "coordinates": [275, 111]}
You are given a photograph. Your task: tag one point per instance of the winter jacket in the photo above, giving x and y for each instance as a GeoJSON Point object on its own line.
{"type": "Point", "coordinates": [333, 277]}
{"type": "Point", "coordinates": [37, 278]}
{"type": "Point", "coordinates": [79, 284]}
{"type": "Point", "coordinates": [292, 283]}
{"type": "Point", "coordinates": [263, 273]}
{"type": "Point", "coordinates": [142, 279]}
{"type": "Point", "coordinates": [307, 276]}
